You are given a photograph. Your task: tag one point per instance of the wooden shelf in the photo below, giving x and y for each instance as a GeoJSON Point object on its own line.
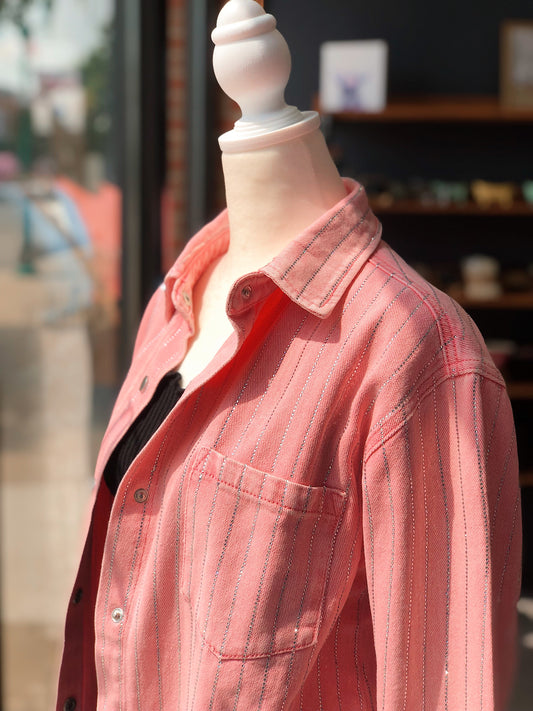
{"type": "Point", "coordinates": [441, 109]}
{"type": "Point", "coordinates": [414, 207]}
{"type": "Point", "coordinates": [526, 478]}
{"type": "Point", "coordinates": [519, 301]}
{"type": "Point", "coordinates": [520, 391]}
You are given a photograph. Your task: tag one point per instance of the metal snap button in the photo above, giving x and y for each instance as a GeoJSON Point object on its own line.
{"type": "Point", "coordinates": [246, 292]}
{"type": "Point", "coordinates": [117, 615]}
{"type": "Point", "coordinates": [144, 384]}
{"type": "Point", "coordinates": [70, 704]}
{"type": "Point", "coordinates": [140, 496]}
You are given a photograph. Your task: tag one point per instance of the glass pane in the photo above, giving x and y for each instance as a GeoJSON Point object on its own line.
{"type": "Point", "coordinates": [60, 251]}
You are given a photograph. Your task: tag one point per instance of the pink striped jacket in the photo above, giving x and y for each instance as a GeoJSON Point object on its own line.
{"type": "Point", "coordinates": [328, 519]}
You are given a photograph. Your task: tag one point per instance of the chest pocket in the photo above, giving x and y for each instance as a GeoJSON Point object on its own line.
{"type": "Point", "coordinates": [256, 550]}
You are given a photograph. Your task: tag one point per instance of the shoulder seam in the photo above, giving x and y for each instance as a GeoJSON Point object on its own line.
{"type": "Point", "coordinates": [471, 368]}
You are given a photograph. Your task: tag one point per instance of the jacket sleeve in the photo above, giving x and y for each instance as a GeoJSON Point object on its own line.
{"type": "Point", "coordinates": [441, 517]}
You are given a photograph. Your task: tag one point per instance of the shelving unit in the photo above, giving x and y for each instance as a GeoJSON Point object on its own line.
{"type": "Point", "coordinates": [516, 301]}
{"type": "Point", "coordinates": [441, 109]}
{"type": "Point", "coordinates": [526, 478]}
{"type": "Point", "coordinates": [412, 207]}
{"type": "Point", "coordinates": [520, 391]}
{"type": "Point", "coordinates": [469, 110]}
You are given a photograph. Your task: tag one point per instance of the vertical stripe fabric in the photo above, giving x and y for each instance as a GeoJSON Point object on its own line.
{"type": "Point", "coordinates": [330, 515]}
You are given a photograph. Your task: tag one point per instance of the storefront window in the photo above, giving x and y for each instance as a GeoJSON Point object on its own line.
{"type": "Point", "coordinates": [60, 256]}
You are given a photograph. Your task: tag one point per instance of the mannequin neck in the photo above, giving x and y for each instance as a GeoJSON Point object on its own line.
{"type": "Point", "coordinates": [274, 193]}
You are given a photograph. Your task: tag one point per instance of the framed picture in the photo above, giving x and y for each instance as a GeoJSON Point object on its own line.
{"type": "Point", "coordinates": [516, 63]}
{"type": "Point", "coordinates": [353, 76]}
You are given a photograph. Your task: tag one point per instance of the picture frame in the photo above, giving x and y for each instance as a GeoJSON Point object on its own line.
{"type": "Point", "coordinates": [353, 76]}
{"type": "Point", "coordinates": [516, 63]}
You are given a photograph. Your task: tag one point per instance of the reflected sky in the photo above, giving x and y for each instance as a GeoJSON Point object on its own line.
{"type": "Point", "coordinates": [59, 40]}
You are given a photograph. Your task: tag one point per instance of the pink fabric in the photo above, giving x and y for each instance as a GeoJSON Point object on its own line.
{"type": "Point", "coordinates": [101, 214]}
{"type": "Point", "coordinates": [328, 519]}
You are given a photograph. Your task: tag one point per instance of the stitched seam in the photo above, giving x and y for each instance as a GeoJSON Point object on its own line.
{"type": "Point", "coordinates": [478, 369]}
{"type": "Point", "coordinates": [430, 386]}
{"type": "Point", "coordinates": [321, 232]}
{"type": "Point", "coordinates": [354, 228]}
{"type": "Point", "coordinates": [236, 655]}
{"type": "Point", "coordinates": [350, 265]}
{"type": "Point", "coordinates": [274, 502]}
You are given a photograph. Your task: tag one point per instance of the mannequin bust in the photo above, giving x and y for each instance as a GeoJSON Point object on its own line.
{"type": "Point", "coordinates": [328, 515]}
{"type": "Point", "coordinates": [278, 173]}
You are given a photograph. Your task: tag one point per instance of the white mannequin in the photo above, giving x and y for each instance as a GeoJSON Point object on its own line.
{"type": "Point", "coordinates": [278, 173]}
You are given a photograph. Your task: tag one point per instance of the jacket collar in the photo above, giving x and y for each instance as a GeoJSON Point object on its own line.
{"type": "Point", "coordinates": [314, 270]}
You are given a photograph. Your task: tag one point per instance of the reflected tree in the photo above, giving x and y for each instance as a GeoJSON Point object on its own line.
{"type": "Point", "coordinates": [96, 72]}
{"type": "Point", "coordinates": [15, 10]}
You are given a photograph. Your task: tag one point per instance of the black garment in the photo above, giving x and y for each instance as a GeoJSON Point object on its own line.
{"type": "Point", "coordinates": [166, 395]}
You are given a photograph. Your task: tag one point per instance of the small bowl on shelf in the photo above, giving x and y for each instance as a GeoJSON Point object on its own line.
{"type": "Point", "coordinates": [480, 274]}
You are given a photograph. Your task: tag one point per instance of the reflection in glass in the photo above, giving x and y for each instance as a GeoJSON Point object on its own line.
{"type": "Point", "coordinates": [60, 250]}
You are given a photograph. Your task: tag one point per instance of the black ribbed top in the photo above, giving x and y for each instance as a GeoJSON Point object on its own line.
{"type": "Point", "coordinates": [166, 395]}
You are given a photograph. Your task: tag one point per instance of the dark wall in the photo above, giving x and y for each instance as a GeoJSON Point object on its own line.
{"type": "Point", "coordinates": [449, 47]}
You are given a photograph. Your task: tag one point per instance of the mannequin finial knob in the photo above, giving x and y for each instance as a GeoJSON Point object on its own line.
{"type": "Point", "coordinates": [252, 64]}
